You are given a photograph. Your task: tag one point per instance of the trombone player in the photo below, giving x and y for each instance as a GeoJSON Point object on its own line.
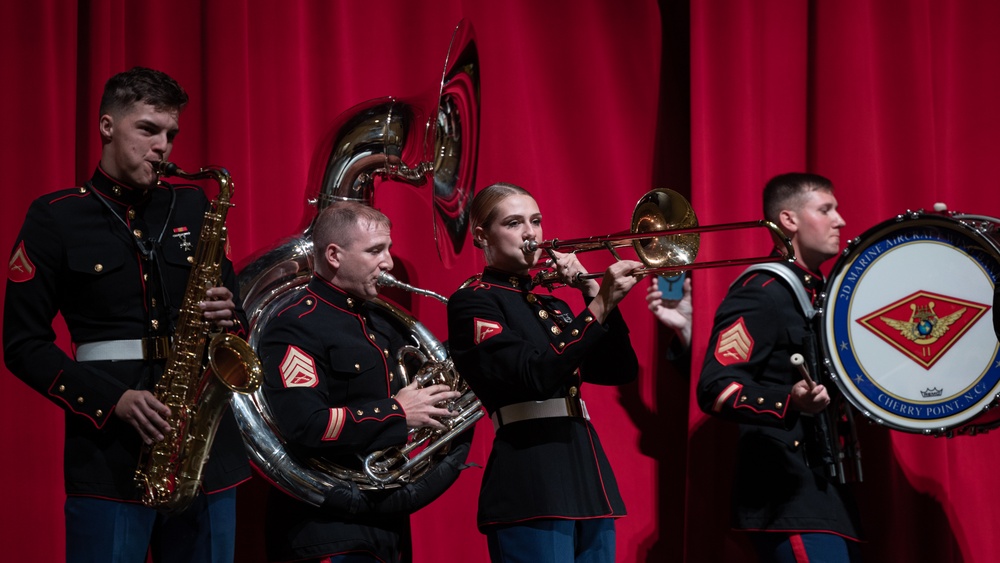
{"type": "Point", "coordinates": [548, 493]}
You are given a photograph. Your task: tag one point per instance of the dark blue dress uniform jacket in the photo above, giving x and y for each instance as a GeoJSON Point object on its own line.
{"type": "Point", "coordinates": [513, 345]}
{"type": "Point", "coordinates": [74, 257]}
{"type": "Point", "coordinates": [747, 378]}
{"type": "Point", "coordinates": [330, 376]}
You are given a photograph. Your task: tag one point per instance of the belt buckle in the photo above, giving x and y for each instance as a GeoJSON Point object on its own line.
{"type": "Point", "coordinates": [573, 407]}
{"type": "Point", "coordinates": [155, 348]}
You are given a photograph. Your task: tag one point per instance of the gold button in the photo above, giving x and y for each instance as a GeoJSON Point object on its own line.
{"type": "Point", "coordinates": [357, 367]}
{"type": "Point", "coordinates": [155, 324]}
{"type": "Point", "coordinates": [556, 330]}
{"type": "Point", "coordinates": [145, 277]}
{"type": "Point", "coordinates": [131, 213]}
{"type": "Point", "coordinates": [743, 399]}
{"type": "Point", "coordinates": [531, 298]}
{"type": "Point", "coordinates": [152, 302]}
{"type": "Point", "coordinates": [98, 267]}
{"type": "Point", "coordinates": [360, 412]}
{"type": "Point", "coordinates": [83, 190]}
{"type": "Point", "coordinates": [543, 313]}
{"type": "Point", "coordinates": [778, 405]}
{"type": "Point", "coordinates": [309, 302]}
{"type": "Point", "coordinates": [99, 413]}
{"type": "Point", "coordinates": [79, 400]}
{"type": "Point", "coordinates": [377, 410]}
{"type": "Point", "coordinates": [795, 443]}
{"type": "Point", "coordinates": [760, 400]}
{"type": "Point", "coordinates": [588, 319]}
{"type": "Point", "coordinates": [350, 302]}
{"type": "Point", "coordinates": [385, 352]}
{"type": "Point", "coordinates": [513, 281]}
{"type": "Point", "coordinates": [808, 278]}
{"type": "Point", "coordinates": [562, 344]}
{"type": "Point", "coordinates": [62, 388]}
{"type": "Point", "coordinates": [395, 407]}
{"type": "Point", "coordinates": [572, 391]}
{"type": "Point", "coordinates": [575, 332]}
{"type": "Point", "coordinates": [137, 233]}
{"type": "Point", "coordinates": [371, 335]}
{"type": "Point", "coordinates": [190, 259]}
{"type": "Point", "coordinates": [116, 190]}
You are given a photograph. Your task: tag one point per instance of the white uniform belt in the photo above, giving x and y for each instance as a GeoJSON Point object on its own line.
{"type": "Point", "coordinates": [552, 408]}
{"type": "Point", "coordinates": [139, 349]}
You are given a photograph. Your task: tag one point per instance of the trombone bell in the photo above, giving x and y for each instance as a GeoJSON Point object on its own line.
{"type": "Point", "coordinates": [664, 210]}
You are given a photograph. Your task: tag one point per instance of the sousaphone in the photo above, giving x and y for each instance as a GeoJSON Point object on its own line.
{"type": "Point", "coordinates": [430, 143]}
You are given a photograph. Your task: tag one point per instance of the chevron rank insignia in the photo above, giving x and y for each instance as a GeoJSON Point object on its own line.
{"type": "Point", "coordinates": [486, 330]}
{"type": "Point", "coordinates": [298, 369]}
{"type": "Point", "coordinates": [20, 268]}
{"type": "Point", "coordinates": [735, 344]}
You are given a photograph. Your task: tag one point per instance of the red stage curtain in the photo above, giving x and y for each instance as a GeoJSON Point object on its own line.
{"type": "Point", "coordinates": [895, 101]}
{"type": "Point", "coordinates": [588, 105]}
{"type": "Point", "coordinates": [569, 100]}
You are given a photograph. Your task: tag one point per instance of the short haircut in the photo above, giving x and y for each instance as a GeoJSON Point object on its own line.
{"type": "Point", "coordinates": [786, 191]}
{"type": "Point", "coordinates": [484, 206]}
{"type": "Point", "coordinates": [145, 85]}
{"type": "Point", "coordinates": [336, 224]}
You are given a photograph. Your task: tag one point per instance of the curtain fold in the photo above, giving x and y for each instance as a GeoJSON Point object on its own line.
{"type": "Point", "coordinates": [895, 102]}
{"type": "Point", "coordinates": [588, 105]}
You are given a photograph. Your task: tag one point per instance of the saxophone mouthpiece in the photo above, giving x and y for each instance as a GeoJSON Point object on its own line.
{"type": "Point", "coordinates": [164, 168]}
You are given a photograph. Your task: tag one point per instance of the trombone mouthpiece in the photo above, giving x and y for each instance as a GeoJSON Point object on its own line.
{"type": "Point", "coordinates": [529, 246]}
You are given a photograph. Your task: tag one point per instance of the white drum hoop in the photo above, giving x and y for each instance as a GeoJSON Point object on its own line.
{"type": "Point", "coordinates": [907, 322]}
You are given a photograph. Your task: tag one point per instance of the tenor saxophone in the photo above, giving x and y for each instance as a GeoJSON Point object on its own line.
{"type": "Point", "coordinates": [203, 369]}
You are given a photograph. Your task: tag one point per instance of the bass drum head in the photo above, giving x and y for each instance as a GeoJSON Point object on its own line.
{"type": "Point", "coordinates": [908, 324]}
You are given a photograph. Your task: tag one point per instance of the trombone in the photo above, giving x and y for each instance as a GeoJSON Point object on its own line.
{"type": "Point", "coordinates": [665, 235]}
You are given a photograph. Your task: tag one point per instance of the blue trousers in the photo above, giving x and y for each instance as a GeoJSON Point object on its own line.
{"type": "Point", "coordinates": [780, 547]}
{"type": "Point", "coordinates": [553, 541]}
{"type": "Point", "coordinates": [108, 531]}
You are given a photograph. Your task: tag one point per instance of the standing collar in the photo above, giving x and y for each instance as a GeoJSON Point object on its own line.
{"type": "Point", "coordinates": [118, 192]}
{"type": "Point", "coordinates": [336, 296]}
{"type": "Point", "coordinates": [506, 279]}
{"type": "Point", "coordinates": [811, 280]}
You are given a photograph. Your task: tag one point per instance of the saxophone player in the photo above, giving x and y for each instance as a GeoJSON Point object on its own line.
{"type": "Point", "coordinates": [333, 386]}
{"type": "Point", "coordinates": [112, 257]}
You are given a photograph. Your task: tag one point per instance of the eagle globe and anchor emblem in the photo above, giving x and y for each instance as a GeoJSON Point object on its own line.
{"type": "Point", "coordinates": [913, 326]}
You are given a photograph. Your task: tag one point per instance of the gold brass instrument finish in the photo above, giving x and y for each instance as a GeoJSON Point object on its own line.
{"type": "Point", "coordinates": [666, 236]}
{"type": "Point", "coordinates": [196, 390]}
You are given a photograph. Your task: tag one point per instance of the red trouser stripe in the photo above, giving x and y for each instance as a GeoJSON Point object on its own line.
{"type": "Point", "coordinates": [798, 548]}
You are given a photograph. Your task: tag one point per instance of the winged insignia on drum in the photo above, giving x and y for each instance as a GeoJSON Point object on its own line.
{"type": "Point", "coordinates": [924, 326]}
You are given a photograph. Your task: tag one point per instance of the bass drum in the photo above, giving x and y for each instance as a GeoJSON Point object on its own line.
{"type": "Point", "coordinates": [908, 324]}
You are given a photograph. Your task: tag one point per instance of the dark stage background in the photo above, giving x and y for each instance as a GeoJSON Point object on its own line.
{"type": "Point", "coordinates": [588, 104]}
